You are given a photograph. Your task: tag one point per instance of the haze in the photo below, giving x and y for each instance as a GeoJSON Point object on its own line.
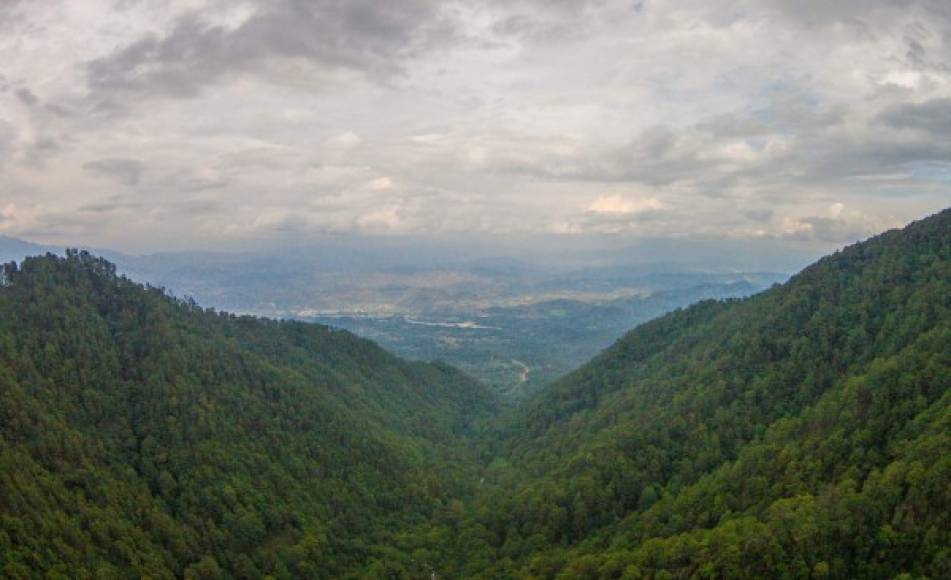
{"type": "Point", "coordinates": [202, 124]}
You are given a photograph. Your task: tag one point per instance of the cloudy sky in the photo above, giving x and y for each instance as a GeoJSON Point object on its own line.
{"type": "Point", "coordinates": [156, 124]}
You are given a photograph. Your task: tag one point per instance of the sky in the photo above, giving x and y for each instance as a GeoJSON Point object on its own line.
{"type": "Point", "coordinates": [148, 125]}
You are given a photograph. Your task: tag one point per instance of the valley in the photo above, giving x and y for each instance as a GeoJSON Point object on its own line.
{"type": "Point", "coordinates": [475, 290]}
{"type": "Point", "coordinates": [801, 431]}
{"type": "Point", "coordinates": [512, 324]}
{"type": "Point", "coordinates": [518, 348]}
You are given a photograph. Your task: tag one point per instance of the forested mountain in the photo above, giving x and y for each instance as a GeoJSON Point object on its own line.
{"type": "Point", "coordinates": [513, 324]}
{"type": "Point", "coordinates": [802, 432]}
{"type": "Point", "coordinates": [141, 436]}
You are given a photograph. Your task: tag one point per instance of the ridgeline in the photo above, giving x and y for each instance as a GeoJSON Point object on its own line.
{"type": "Point", "coordinates": [802, 432]}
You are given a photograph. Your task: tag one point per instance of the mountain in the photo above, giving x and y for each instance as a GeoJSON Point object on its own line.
{"type": "Point", "coordinates": [142, 436]}
{"type": "Point", "coordinates": [359, 277]}
{"type": "Point", "coordinates": [802, 432]}
{"type": "Point", "coordinates": [15, 249]}
{"type": "Point", "coordinates": [513, 324]}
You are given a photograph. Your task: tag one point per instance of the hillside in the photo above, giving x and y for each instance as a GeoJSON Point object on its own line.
{"type": "Point", "coordinates": [801, 432]}
{"type": "Point", "coordinates": [805, 431]}
{"type": "Point", "coordinates": [515, 325]}
{"type": "Point", "coordinates": [141, 436]}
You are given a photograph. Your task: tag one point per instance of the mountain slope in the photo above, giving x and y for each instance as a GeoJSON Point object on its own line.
{"type": "Point", "coordinates": [800, 431]}
{"type": "Point", "coordinates": [141, 436]}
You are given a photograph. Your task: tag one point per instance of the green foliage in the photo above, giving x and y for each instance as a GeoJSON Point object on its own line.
{"type": "Point", "coordinates": [143, 436]}
{"type": "Point", "coordinates": [803, 432]}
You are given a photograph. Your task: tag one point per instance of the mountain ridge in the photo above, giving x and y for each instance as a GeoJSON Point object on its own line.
{"type": "Point", "coordinates": [203, 441]}
{"type": "Point", "coordinates": [801, 432]}
{"type": "Point", "coordinates": [659, 418]}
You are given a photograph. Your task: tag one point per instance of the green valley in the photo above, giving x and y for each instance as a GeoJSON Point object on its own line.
{"type": "Point", "coordinates": [801, 432]}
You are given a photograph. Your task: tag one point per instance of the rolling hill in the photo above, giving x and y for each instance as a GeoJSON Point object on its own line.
{"type": "Point", "coordinates": [801, 432]}
{"type": "Point", "coordinates": [142, 436]}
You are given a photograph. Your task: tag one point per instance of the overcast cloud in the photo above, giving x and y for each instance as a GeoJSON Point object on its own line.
{"type": "Point", "coordinates": [148, 124]}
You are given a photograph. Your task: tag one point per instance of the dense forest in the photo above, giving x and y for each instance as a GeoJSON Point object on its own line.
{"type": "Point", "coordinates": [804, 432]}
{"type": "Point", "coordinates": [141, 436]}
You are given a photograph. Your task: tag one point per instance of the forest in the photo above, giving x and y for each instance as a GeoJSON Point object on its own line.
{"type": "Point", "coordinates": [803, 432]}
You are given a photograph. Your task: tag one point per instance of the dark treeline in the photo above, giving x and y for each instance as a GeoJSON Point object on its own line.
{"type": "Point", "coordinates": [803, 432]}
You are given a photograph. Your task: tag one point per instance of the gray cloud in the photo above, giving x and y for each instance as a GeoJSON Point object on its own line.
{"type": "Point", "coordinates": [362, 35]}
{"type": "Point", "coordinates": [547, 22]}
{"type": "Point", "coordinates": [793, 146]}
{"type": "Point", "coordinates": [176, 123]}
{"type": "Point", "coordinates": [10, 12]}
{"type": "Point", "coordinates": [758, 215]}
{"type": "Point", "coordinates": [27, 97]}
{"type": "Point", "coordinates": [8, 136]}
{"type": "Point", "coordinates": [933, 116]}
{"type": "Point", "coordinates": [125, 171]}
{"type": "Point", "coordinates": [111, 205]}
{"type": "Point", "coordinates": [834, 230]}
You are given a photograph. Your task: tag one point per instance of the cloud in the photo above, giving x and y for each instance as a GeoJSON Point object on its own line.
{"type": "Point", "coordinates": [757, 215]}
{"type": "Point", "coordinates": [615, 204]}
{"type": "Point", "coordinates": [8, 213]}
{"type": "Point", "coordinates": [838, 225]}
{"type": "Point", "coordinates": [125, 171]}
{"type": "Point", "coordinates": [27, 97]}
{"type": "Point", "coordinates": [357, 35]}
{"type": "Point", "coordinates": [345, 140]}
{"type": "Point", "coordinates": [177, 123]}
{"type": "Point", "coordinates": [381, 184]}
{"type": "Point", "coordinates": [9, 136]}
{"type": "Point", "coordinates": [10, 12]}
{"type": "Point", "coordinates": [931, 116]}
{"type": "Point", "coordinates": [15, 220]}
{"type": "Point", "coordinates": [381, 220]}
{"type": "Point", "coordinates": [615, 214]}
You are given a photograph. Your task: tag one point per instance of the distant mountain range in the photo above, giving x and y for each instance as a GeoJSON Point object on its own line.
{"type": "Point", "coordinates": [12, 249]}
{"type": "Point", "coordinates": [513, 324]}
{"type": "Point", "coordinates": [390, 276]}
{"type": "Point", "coordinates": [801, 432]}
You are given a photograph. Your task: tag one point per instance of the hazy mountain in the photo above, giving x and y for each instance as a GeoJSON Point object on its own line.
{"type": "Point", "coordinates": [420, 276]}
{"type": "Point", "coordinates": [16, 249]}
{"type": "Point", "coordinates": [513, 322]}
